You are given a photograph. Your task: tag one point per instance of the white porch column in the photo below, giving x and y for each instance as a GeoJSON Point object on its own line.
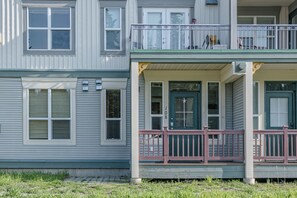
{"type": "Point", "coordinates": [134, 124]}
{"type": "Point", "coordinates": [233, 24]}
{"type": "Point", "coordinates": [248, 124]}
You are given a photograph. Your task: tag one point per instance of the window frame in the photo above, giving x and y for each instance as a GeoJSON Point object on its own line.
{"type": "Point", "coordinates": [113, 4]}
{"type": "Point", "coordinates": [113, 84]}
{"type": "Point", "coordinates": [49, 84]}
{"type": "Point", "coordinates": [150, 104]}
{"type": "Point", "coordinates": [27, 4]}
{"type": "Point", "coordinates": [106, 29]}
{"type": "Point", "coordinates": [214, 115]}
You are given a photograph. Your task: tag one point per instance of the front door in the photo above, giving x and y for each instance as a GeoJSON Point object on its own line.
{"type": "Point", "coordinates": [183, 110]}
{"type": "Point", "coordinates": [159, 37]}
{"type": "Point", "coordinates": [279, 110]}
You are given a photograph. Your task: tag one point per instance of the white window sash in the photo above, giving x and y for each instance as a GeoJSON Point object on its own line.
{"type": "Point", "coordinates": [49, 31]}
{"type": "Point", "coordinates": [106, 29]}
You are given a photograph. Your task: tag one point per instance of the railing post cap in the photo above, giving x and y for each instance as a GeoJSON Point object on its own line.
{"type": "Point", "coordinates": [285, 126]}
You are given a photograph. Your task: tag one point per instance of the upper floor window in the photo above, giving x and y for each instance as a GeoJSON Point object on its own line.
{"type": "Point", "coordinates": [112, 29]}
{"type": "Point", "coordinates": [49, 29]}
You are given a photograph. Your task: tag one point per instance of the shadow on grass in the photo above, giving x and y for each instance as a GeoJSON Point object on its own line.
{"type": "Point", "coordinates": [34, 176]}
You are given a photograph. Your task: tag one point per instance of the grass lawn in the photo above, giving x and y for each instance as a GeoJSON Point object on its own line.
{"type": "Point", "coordinates": [47, 185]}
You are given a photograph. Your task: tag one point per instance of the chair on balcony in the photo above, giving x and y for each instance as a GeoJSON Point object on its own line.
{"type": "Point", "coordinates": [206, 42]}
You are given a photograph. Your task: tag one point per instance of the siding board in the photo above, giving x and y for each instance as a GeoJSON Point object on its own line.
{"type": "Point", "coordinates": [238, 107]}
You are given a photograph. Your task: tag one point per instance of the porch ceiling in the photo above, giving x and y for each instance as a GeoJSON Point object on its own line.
{"type": "Point", "coordinates": [166, 66]}
{"type": "Point", "coordinates": [265, 2]}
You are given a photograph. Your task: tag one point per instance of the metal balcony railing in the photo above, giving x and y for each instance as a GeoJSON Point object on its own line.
{"type": "Point", "coordinates": [179, 37]}
{"type": "Point", "coordinates": [270, 37]}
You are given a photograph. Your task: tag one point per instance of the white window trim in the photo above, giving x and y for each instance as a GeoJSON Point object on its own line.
{"type": "Point", "coordinates": [49, 83]}
{"type": "Point", "coordinates": [150, 107]}
{"type": "Point", "coordinates": [259, 103]}
{"type": "Point", "coordinates": [116, 84]}
{"type": "Point", "coordinates": [114, 29]}
{"type": "Point", "coordinates": [214, 115]}
{"type": "Point", "coordinates": [49, 30]}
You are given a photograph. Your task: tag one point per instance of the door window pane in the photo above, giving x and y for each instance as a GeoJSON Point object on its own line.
{"type": "Point", "coordinates": [156, 123]}
{"type": "Point", "coordinates": [184, 86]}
{"type": "Point", "coordinates": [38, 103]}
{"type": "Point", "coordinates": [60, 17]}
{"type": "Point", "coordinates": [213, 123]}
{"type": "Point", "coordinates": [213, 98]}
{"type": "Point", "coordinates": [279, 112]}
{"type": "Point", "coordinates": [184, 112]}
{"type": "Point", "coordinates": [156, 98]}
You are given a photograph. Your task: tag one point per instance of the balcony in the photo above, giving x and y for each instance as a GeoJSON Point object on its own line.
{"type": "Point", "coordinates": [212, 37]}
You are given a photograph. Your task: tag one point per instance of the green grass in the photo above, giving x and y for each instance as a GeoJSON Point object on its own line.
{"type": "Point", "coordinates": [48, 185]}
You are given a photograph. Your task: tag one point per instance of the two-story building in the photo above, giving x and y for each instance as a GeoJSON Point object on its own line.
{"type": "Point", "coordinates": [150, 89]}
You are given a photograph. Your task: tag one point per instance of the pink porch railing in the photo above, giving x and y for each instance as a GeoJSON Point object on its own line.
{"type": "Point", "coordinates": [191, 145]}
{"type": "Point", "coordinates": [275, 146]}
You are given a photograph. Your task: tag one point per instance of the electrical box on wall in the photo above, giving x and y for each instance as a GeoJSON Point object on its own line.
{"type": "Point", "coordinates": [85, 85]}
{"type": "Point", "coordinates": [211, 2]}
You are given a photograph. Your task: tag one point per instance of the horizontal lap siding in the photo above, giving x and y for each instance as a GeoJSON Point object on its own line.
{"type": "Point", "coordinates": [87, 41]}
{"type": "Point", "coordinates": [229, 106]}
{"type": "Point", "coordinates": [87, 146]}
{"type": "Point", "coordinates": [238, 106]}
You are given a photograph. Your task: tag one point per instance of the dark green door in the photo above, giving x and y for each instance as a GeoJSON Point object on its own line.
{"type": "Point", "coordinates": [279, 110]}
{"type": "Point", "coordinates": [184, 110]}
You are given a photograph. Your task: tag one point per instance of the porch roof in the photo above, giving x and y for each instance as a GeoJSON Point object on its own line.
{"type": "Point", "coordinates": [215, 56]}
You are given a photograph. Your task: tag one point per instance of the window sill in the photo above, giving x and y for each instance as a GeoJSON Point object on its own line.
{"type": "Point", "coordinates": [48, 52]}
{"type": "Point", "coordinates": [50, 142]}
{"type": "Point", "coordinates": [113, 143]}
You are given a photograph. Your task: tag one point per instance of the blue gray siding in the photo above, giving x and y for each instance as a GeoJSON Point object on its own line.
{"type": "Point", "coordinates": [87, 146]}
{"type": "Point", "coordinates": [141, 102]}
{"type": "Point", "coordinates": [229, 105]}
{"type": "Point", "coordinates": [238, 107]}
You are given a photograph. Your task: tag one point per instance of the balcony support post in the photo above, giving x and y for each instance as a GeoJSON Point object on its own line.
{"type": "Point", "coordinates": [134, 124]}
{"type": "Point", "coordinates": [206, 146]}
{"type": "Point", "coordinates": [248, 123]}
{"type": "Point", "coordinates": [286, 144]}
{"type": "Point", "coordinates": [233, 24]}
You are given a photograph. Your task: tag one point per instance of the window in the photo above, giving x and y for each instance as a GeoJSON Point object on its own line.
{"type": "Point", "coordinates": [156, 105]}
{"type": "Point", "coordinates": [256, 115]}
{"type": "Point", "coordinates": [113, 109]}
{"type": "Point", "coordinates": [49, 114]}
{"type": "Point", "coordinates": [213, 89]}
{"type": "Point", "coordinates": [112, 29]}
{"type": "Point", "coordinates": [112, 23]}
{"type": "Point", "coordinates": [49, 28]}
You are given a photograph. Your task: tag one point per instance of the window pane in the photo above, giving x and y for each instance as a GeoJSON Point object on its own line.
{"type": "Point", "coordinates": [60, 39]}
{"type": "Point", "coordinates": [38, 100]}
{"type": "Point", "coordinates": [113, 40]}
{"type": "Point", "coordinates": [255, 122]}
{"type": "Point", "coordinates": [38, 129]}
{"type": "Point", "coordinates": [113, 128]}
{"type": "Point", "coordinates": [213, 123]}
{"type": "Point", "coordinates": [255, 95]}
{"type": "Point", "coordinates": [156, 98]}
{"type": "Point", "coordinates": [38, 17]}
{"type": "Point", "coordinates": [112, 17]}
{"type": "Point", "coordinates": [213, 98]}
{"type": "Point", "coordinates": [61, 129]}
{"type": "Point", "coordinates": [60, 17]}
{"type": "Point", "coordinates": [60, 103]}
{"type": "Point", "coordinates": [113, 103]}
{"type": "Point", "coordinates": [245, 20]}
{"type": "Point", "coordinates": [265, 20]}
{"type": "Point", "coordinates": [37, 39]}
{"type": "Point", "coordinates": [156, 123]}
